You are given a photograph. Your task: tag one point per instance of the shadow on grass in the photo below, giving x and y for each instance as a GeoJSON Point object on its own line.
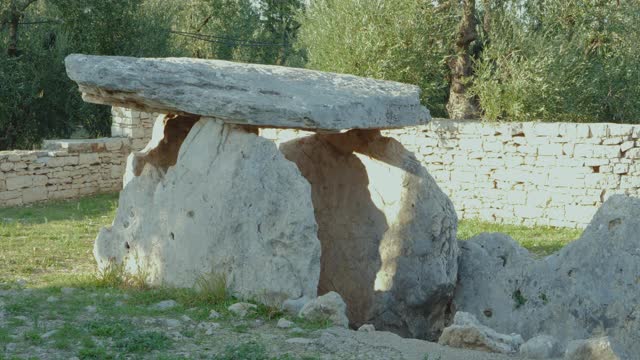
{"type": "Point", "coordinates": [76, 209]}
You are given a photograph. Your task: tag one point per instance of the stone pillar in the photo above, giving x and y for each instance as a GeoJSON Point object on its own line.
{"type": "Point", "coordinates": [132, 124]}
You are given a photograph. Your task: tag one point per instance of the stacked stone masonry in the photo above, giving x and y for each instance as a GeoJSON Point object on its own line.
{"type": "Point", "coordinates": [132, 124]}
{"type": "Point", "coordinates": [555, 174]}
{"type": "Point", "coordinates": [64, 169]}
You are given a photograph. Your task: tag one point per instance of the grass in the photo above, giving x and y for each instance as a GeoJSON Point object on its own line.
{"type": "Point", "coordinates": [52, 243]}
{"type": "Point", "coordinates": [540, 240]}
{"type": "Point", "coordinates": [51, 246]}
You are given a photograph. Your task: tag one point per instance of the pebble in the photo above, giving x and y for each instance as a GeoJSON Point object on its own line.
{"type": "Point", "coordinates": [49, 334]}
{"type": "Point", "coordinates": [171, 323]}
{"type": "Point", "coordinates": [91, 309]}
{"type": "Point", "coordinates": [67, 291]}
{"type": "Point", "coordinates": [367, 328]}
{"type": "Point", "coordinates": [185, 318]}
{"type": "Point", "coordinates": [214, 315]}
{"type": "Point", "coordinates": [302, 341]}
{"type": "Point", "coordinates": [284, 323]}
{"type": "Point", "coordinates": [52, 299]}
{"type": "Point", "coordinates": [242, 309]}
{"type": "Point", "coordinates": [165, 305]}
{"type": "Point", "coordinates": [118, 303]}
{"type": "Point", "coordinates": [296, 330]}
{"type": "Point", "coordinates": [11, 347]}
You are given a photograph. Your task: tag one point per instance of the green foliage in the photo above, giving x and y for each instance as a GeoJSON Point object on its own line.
{"type": "Point", "coordinates": [241, 30]}
{"type": "Point", "coordinates": [37, 100]}
{"type": "Point", "coordinates": [518, 299]}
{"type": "Point", "coordinates": [569, 60]}
{"type": "Point", "coordinates": [32, 95]}
{"type": "Point", "coordinates": [401, 40]}
{"type": "Point", "coordinates": [138, 342]}
{"type": "Point", "coordinates": [212, 288]}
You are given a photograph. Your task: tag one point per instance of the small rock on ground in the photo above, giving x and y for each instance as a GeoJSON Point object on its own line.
{"type": "Point", "coordinates": [591, 349]}
{"type": "Point", "coordinates": [284, 323]}
{"type": "Point", "coordinates": [165, 305]}
{"type": "Point", "coordinates": [242, 309]}
{"type": "Point", "coordinates": [467, 333]}
{"type": "Point", "coordinates": [329, 306]}
{"type": "Point", "coordinates": [540, 347]}
{"type": "Point", "coordinates": [367, 328]}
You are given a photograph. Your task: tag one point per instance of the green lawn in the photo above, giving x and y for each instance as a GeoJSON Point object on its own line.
{"type": "Point", "coordinates": [67, 310]}
{"type": "Point", "coordinates": [51, 243]}
{"type": "Point", "coordinates": [540, 240]}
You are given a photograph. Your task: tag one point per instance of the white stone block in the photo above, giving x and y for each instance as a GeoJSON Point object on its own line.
{"type": "Point", "coordinates": [550, 150]}
{"type": "Point", "coordinates": [599, 130]}
{"type": "Point", "coordinates": [34, 194]}
{"type": "Point", "coordinates": [627, 145]}
{"type": "Point", "coordinates": [19, 182]}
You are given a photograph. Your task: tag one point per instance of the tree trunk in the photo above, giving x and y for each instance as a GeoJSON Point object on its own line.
{"type": "Point", "coordinates": [14, 20]}
{"type": "Point", "coordinates": [461, 105]}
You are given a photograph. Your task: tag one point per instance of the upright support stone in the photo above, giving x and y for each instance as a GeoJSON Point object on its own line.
{"type": "Point", "coordinates": [388, 232]}
{"type": "Point", "coordinates": [225, 202]}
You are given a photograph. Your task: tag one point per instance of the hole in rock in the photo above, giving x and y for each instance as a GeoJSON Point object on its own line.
{"type": "Point", "coordinates": [165, 154]}
{"type": "Point", "coordinates": [172, 236]}
{"type": "Point", "coordinates": [596, 169]}
{"type": "Point", "coordinates": [126, 245]}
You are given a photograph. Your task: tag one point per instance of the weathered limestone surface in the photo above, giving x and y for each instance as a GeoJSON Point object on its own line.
{"type": "Point", "coordinates": [247, 93]}
{"type": "Point", "coordinates": [64, 169]}
{"type": "Point", "coordinates": [466, 332]}
{"type": "Point", "coordinates": [329, 306]}
{"type": "Point", "coordinates": [591, 349]}
{"type": "Point", "coordinates": [589, 288]}
{"type": "Point", "coordinates": [226, 202]}
{"type": "Point", "coordinates": [387, 231]}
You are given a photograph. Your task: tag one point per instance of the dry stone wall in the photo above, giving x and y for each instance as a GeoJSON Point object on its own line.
{"type": "Point", "coordinates": [555, 174]}
{"type": "Point", "coordinates": [63, 169]}
{"type": "Point", "coordinates": [135, 125]}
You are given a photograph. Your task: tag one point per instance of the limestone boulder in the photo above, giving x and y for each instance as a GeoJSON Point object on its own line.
{"type": "Point", "coordinates": [590, 349]}
{"type": "Point", "coordinates": [387, 231]}
{"type": "Point", "coordinates": [329, 306]}
{"type": "Point", "coordinates": [263, 95]}
{"type": "Point", "coordinates": [589, 288]}
{"type": "Point", "coordinates": [467, 333]}
{"type": "Point", "coordinates": [540, 347]}
{"type": "Point", "coordinates": [213, 199]}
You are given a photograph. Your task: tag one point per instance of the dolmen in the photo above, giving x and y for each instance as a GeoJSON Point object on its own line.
{"type": "Point", "coordinates": [345, 210]}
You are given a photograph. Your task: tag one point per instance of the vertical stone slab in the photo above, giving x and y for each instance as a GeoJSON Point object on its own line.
{"type": "Point", "coordinates": [228, 203]}
{"type": "Point", "coordinates": [387, 230]}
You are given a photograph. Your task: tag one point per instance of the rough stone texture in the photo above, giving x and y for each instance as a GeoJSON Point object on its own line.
{"type": "Point", "coordinates": [592, 349]}
{"type": "Point", "coordinates": [540, 347]}
{"type": "Point", "coordinates": [554, 174]}
{"type": "Point", "coordinates": [589, 288]}
{"type": "Point", "coordinates": [242, 309]}
{"type": "Point", "coordinates": [230, 205]}
{"type": "Point", "coordinates": [328, 306]}
{"type": "Point", "coordinates": [467, 333]}
{"type": "Point", "coordinates": [64, 169]}
{"type": "Point", "coordinates": [247, 93]}
{"type": "Point", "coordinates": [134, 125]}
{"type": "Point", "coordinates": [293, 306]}
{"type": "Point", "coordinates": [522, 173]}
{"type": "Point", "coordinates": [387, 231]}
